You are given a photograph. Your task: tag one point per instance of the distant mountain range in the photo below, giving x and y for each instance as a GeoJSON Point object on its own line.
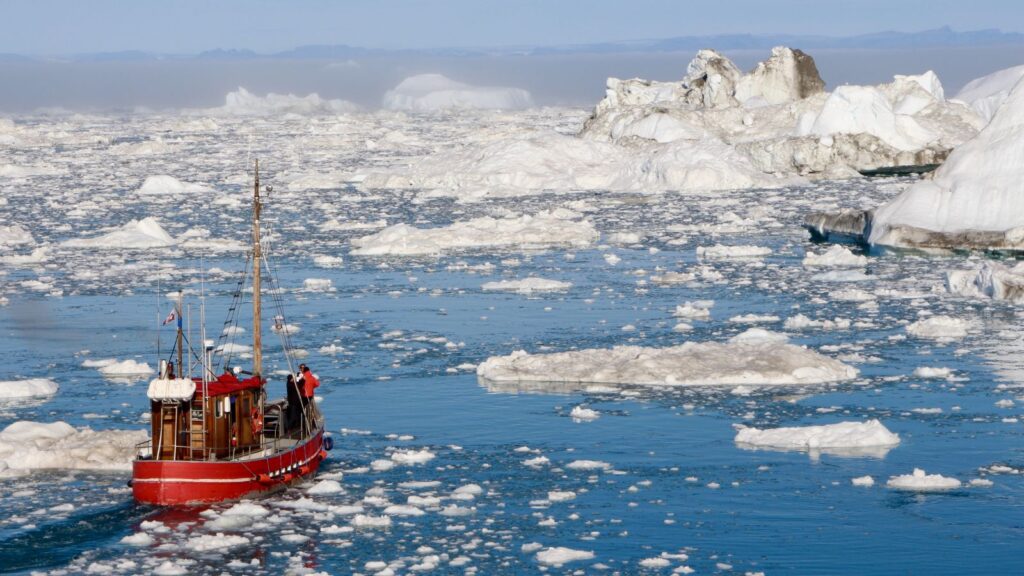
{"type": "Point", "coordinates": [939, 37]}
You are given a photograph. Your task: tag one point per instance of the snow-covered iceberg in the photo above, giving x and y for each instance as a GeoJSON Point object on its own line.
{"type": "Point", "coordinates": [974, 200]}
{"type": "Point", "coordinates": [557, 227]}
{"type": "Point", "coordinates": [986, 94]}
{"type": "Point", "coordinates": [743, 360]}
{"type": "Point", "coordinates": [869, 438]}
{"type": "Point", "coordinates": [241, 102]}
{"type": "Point", "coordinates": [426, 92]}
{"type": "Point", "coordinates": [26, 446]}
{"type": "Point", "coordinates": [136, 234]}
{"type": "Point", "coordinates": [780, 116]}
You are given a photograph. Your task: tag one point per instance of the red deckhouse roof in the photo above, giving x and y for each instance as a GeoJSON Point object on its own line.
{"type": "Point", "coordinates": [226, 383]}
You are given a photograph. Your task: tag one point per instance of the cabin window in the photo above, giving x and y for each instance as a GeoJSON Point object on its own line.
{"type": "Point", "coordinates": [218, 408]}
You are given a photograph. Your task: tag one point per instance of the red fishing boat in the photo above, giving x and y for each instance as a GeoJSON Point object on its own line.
{"type": "Point", "coordinates": [215, 436]}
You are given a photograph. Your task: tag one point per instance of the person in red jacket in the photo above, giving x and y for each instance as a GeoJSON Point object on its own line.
{"type": "Point", "coordinates": [309, 382]}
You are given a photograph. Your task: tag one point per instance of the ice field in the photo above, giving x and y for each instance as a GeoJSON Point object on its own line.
{"type": "Point", "coordinates": [545, 379]}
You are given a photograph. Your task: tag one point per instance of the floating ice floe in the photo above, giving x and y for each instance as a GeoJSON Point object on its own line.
{"type": "Point", "coordinates": [974, 200]}
{"type": "Point", "coordinates": [559, 555]}
{"type": "Point", "coordinates": [939, 328]}
{"type": "Point", "coordinates": [929, 372]}
{"type": "Point", "coordinates": [919, 481]}
{"type": "Point", "coordinates": [581, 414]}
{"type": "Point", "coordinates": [869, 438]}
{"type": "Point", "coordinates": [126, 368]}
{"type": "Point", "coordinates": [428, 92]}
{"type": "Point", "coordinates": [136, 234]}
{"type": "Point", "coordinates": [164, 185]}
{"type": "Point", "coordinates": [697, 310]}
{"type": "Point", "coordinates": [991, 280]}
{"type": "Point", "coordinates": [26, 446]}
{"type": "Point", "coordinates": [835, 257]}
{"type": "Point", "coordinates": [317, 285]}
{"type": "Point", "coordinates": [14, 235]}
{"type": "Point", "coordinates": [526, 286]}
{"type": "Point", "coordinates": [241, 102]}
{"type": "Point", "coordinates": [720, 252]}
{"type": "Point", "coordinates": [754, 360]}
{"type": "Point", "coordinates": [30, 388]}
{"type": "Point", "coordinates": [557, 227]}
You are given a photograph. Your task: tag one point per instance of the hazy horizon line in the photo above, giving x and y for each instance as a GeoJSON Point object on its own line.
{"type": "Point", "coordinates": [941, 37]}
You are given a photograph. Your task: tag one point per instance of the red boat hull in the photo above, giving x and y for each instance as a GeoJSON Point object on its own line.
{"type": "Point", "coordinates": [174, 482]}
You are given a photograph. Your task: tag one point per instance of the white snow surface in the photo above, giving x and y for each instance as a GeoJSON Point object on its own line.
{"type": "Point", "coordinates": [558, 227]}
{"type": "Point", "coordinates": [763, 361]}
{"type": "Point", "coordinates": [429, 92]}
{"type": "Point", "coordinates": [986, 94]}
{"type": "Point", "coordinates": [919, 481]}
{"type": "Point", "coordinates": [975, 199]}
{"type": "Point", "coordinates": [28, 446]}
{"type": "Point", "coordinates": [829, 437]}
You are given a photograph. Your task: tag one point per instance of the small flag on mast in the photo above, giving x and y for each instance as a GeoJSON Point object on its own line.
{"type": "Point", "coordinates": [170, 318]}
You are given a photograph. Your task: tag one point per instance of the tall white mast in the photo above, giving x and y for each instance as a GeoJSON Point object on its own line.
{"type": "Point", "coordinates": [257, 256]}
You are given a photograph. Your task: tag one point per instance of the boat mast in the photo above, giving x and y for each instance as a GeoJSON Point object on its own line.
{"type": "Point", "coordinates": [179, 372]}
{"type": "Point", "coordinates": [257, 255]}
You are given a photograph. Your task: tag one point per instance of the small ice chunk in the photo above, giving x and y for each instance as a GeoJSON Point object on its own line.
{"type": "Point", "coordinates": [919, 481]}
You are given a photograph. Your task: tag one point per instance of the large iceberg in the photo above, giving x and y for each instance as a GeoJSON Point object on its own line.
{"type": "Point", "coordinates": [716, 129]}
{"type": "Point", "coordinates": [986, 94]}
{"type": "Point", "coordinates": [427, 92]}
{"type": "Point", "coordinates": [975, 199]}
{"type": "Point", "coordinates": [780, 116]}
{"type": "Point", "coordinates": [747, 359]}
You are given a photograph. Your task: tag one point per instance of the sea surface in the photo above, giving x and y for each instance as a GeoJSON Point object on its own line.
{"type": "Point", "coordinates": [668, 484]}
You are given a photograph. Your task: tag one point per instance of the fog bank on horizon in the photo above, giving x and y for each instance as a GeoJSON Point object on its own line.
{"type": "Point", "coordinates": [553, 80]}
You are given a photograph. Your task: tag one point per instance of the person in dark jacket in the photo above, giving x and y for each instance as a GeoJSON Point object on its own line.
{"type": "Point", "coordinates": [294, 414]}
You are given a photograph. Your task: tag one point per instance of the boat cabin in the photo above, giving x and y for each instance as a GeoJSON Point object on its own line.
{"type": "Point", "coordinates": [192, 420]}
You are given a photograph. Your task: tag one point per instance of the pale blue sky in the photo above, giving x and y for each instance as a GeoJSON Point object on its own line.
{"type": "Point", "coordinates": [189, 26]}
